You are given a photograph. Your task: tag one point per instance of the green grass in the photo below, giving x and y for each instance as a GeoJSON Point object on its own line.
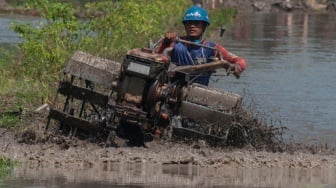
{"type": "Point", "coordinates": [6, 166]}
{"type": "Point", "coordinates": [17, 87]}
{"type": "Point", "coordinates": [9, 120]}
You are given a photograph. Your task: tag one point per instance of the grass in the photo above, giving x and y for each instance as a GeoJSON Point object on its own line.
{"type": "Point", "coordinates": [18, 89]}
{"type": "Point", "coordinates": [6, 166]}
{"type": "Point", "coordinates": [9, 121]}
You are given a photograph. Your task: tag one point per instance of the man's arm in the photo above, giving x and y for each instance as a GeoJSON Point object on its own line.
{"type": "Point", "coordinates": [232, 58]}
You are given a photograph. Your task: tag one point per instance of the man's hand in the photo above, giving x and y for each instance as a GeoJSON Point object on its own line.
{"type": "Point", "coordinates": [237, 69]}
{"type": "Point", "coordinates": [170, 37]}
{"type": "Point", "coordinates": [234, 69]}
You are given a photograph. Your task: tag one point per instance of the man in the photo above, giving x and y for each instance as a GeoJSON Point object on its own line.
{"type": "Point", "coordinates": [196, 21]}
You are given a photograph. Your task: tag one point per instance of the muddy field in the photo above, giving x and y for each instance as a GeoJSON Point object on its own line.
{"type": "Point", "coordinates": [261, 149]}
{"type": "Point", "coordinates": [31, 146]}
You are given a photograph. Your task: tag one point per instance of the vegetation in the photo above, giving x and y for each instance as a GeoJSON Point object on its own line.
{"type": "Point", "coordinates": [104, 28]}
{"type": "Point", "coordinates": [221, 17]}
{"type": "Point", "coordinates": [6, 165]}
{"type": "Point", "coordinates": [9, 120]}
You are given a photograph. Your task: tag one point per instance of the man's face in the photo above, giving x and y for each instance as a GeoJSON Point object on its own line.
{"type": "Point", "coordinates": [194, 29]}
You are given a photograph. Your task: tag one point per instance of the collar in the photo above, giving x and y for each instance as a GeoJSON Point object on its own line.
{"type": "Point", "coordinates": [198, 41]}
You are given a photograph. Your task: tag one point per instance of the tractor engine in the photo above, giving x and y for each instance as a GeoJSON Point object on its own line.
{"type": "Point", "coordinates": [141, 69]}
{"type": "Point", "coordinates": [139, 89]}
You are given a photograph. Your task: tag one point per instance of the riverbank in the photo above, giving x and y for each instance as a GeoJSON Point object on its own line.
{"type": "Point", "coordinates": [242, 6]}
{"type": "Point", "coordinates": [247, 6]}
{"type": "Point", "coordinates": [6, 8]}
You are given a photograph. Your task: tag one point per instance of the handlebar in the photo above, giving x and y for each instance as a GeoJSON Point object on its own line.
{"type": "Point", "coordinates": [195, 44]}
{"type": "Point", "coordinates": [228, 66]}
{"type": "Point", "coordinates": [206, 67]}
{"type": "Point", "coordinates": [201, 67]}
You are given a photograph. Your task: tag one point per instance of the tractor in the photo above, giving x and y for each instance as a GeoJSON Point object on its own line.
{"type": "Point", "coordinates": [144, 97]}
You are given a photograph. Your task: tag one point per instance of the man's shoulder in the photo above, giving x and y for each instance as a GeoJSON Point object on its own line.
{"type": "Point", "coordinates": [209, 43]}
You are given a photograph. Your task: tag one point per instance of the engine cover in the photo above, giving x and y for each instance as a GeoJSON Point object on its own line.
{"type": "Point", "coordinates": [206, 104]}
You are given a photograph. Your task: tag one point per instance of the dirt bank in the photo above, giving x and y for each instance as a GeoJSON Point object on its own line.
{"type": "Point", "coordinates": [245, 6]}
{"type": "Point", "coordinates": [6, 8]}
{"type": "Point", "coordinates": [31, 146]}
{"type": "Point", "coordinates": [3, 4]}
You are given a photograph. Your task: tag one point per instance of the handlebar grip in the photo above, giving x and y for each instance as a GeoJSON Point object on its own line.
{"type": "Point", "coordinates": [230, 69]}
{"type": "Point", "coordinates": [236, 75]}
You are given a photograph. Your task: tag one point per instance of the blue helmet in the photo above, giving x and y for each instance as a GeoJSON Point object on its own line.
{"type": "Point", "coordinates": [196, 13]}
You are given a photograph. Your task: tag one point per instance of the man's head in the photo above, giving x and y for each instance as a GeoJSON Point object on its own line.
{"type": "Point", "coordinates": [195, 21]}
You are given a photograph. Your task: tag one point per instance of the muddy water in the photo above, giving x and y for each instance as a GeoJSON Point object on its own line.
{"type": "Point", "coordinates": [290, 78]}
{"type": "Point", "coordinates": [291, 73]}
{"type": "Point", "coordinates": [6, 34]}
{"type": "Point", "coordinates": [7, 37]}
{"type": "Point", "coordinates": [138, 175]}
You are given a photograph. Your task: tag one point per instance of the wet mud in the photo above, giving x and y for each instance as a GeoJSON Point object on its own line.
{"type": "Point", "coordinates": [262, 148]}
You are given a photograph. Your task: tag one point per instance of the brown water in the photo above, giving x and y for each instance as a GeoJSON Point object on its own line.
{"type": "Point", "coordinates": [138, 175]}
{"type": "Point", "coordinates": [290, 77]}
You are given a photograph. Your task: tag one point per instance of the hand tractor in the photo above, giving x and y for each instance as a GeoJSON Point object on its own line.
{"type": "Point", "coordinates": [144, 97]}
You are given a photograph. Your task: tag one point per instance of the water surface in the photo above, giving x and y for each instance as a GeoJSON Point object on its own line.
{"type": "Point", "coordinates": [291, 73]}
{"type": "Point", "coordinates": [172, 176]}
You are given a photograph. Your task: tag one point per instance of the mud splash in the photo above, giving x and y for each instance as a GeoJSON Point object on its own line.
{"type": "Point", "coordinates": [262, 149]}
{"type": "Point", "coordinates": [245, 131]}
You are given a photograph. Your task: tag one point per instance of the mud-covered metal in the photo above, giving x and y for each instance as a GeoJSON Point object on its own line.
{"type": "Point", "coordinates": [212, 98]}
{"type": "Point", "coordinates": [92, 68]}
{"type": "Point", "coordinates": [142, 97]}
